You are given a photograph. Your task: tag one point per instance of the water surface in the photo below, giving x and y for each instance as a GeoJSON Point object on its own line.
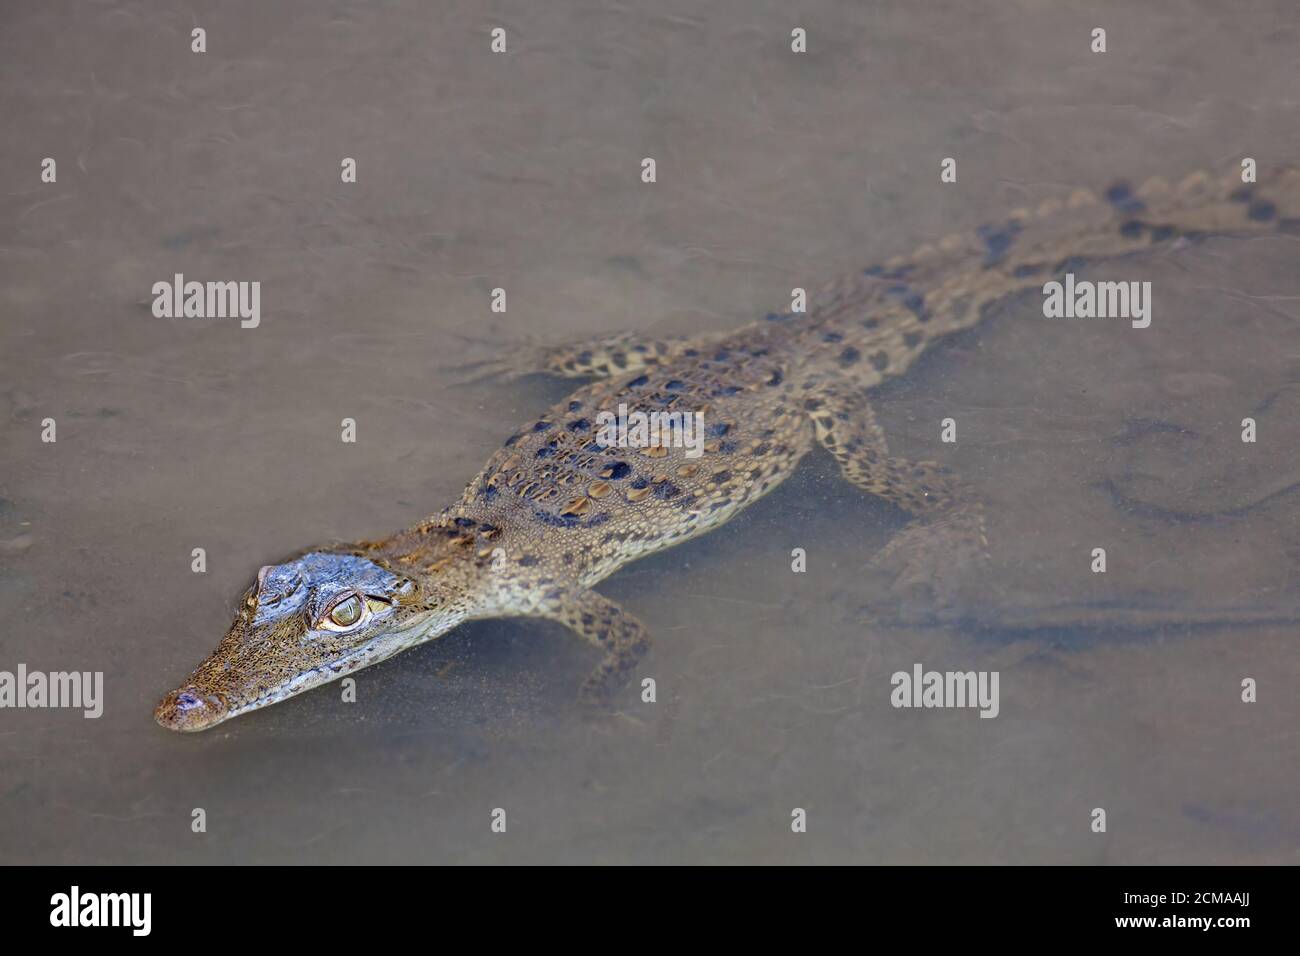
{"type": "Point", "coordinates": [522, 171]}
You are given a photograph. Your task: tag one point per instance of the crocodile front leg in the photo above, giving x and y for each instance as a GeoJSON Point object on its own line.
{"type": "Point", "coordinates": [621, 638]}
{"type": "Point", "coordinates": [931, 558]}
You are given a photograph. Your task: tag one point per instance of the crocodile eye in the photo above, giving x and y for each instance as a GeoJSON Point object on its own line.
{"type": "Point", "coordinates": [346, 613]}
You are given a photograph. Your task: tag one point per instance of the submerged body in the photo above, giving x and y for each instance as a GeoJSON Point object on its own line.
{"type": "Point", "coordinates": [556, 509]}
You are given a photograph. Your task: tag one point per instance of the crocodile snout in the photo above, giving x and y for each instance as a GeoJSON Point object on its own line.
{"type": "Point", "coordinates": [185, 710]}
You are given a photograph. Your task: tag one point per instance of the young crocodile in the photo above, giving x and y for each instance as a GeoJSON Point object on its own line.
{"type": "Point", "coordinates": [554, 512]}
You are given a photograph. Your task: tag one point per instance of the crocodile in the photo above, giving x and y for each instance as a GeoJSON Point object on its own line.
{"type": "Point", "coordinates": [558, 508]}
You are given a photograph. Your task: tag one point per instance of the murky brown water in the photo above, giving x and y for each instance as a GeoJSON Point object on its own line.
{"type": "Point", "coordinates": [522, 171]}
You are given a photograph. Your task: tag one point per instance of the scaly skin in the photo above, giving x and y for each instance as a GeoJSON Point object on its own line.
{"type": "Point", "coordinates": [553, 512]}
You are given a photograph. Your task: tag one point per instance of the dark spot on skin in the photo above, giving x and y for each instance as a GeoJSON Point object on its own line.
{"type": "Point", "coordinates": [557, 521]}
{"type": "Point", "coordinates": [1262, 211]}
{"type": "Point", "coordinates": [676, 385]}
{"type": "Point", "coordinates": [721, 355]}
{"type": "Point", "coordinates": [1070, 264]}
{"type": "Point", "coordinates": [719, 429]}
{"type": "Point", "coordinates": [489, 493]}
{"type": "Point", "coordinates": [553, 594]}
{"type": "Point", "coordinates": [584, 358]}
{"type": "Point", "coordinates": [849, 356]}
{"type": "Point", "coordinates": [578, 425]}
{"type": "Point", "coordinates": [722, 476]}
{"type": "Point", "coordinates": [762, 450]}
{"type": "Point", "coordinates": [618, 470]}
{"type": "Point", "coordinates": [588, 620]}
{"type": "Point", "coordinates": [880, 360]}
{"type": "Point", "coordinates": [727, 447]}
{"type": "Point", "coordinates": [912, 300]}
{"type": "Point", "coordinates": [691, 353]}
{"type": "Point", "coordinates": [832, 337]}
{"type": "Point", "coordinates": [1131, 228]}
{"type": "Point", "coordinates": [1027, 269]}
{"type": "Point", "coordinates": [666, 490]}
{"type": "Point", "coordinates": [912, 339]}
{"type": "Point", "coordinates": [1161, 233]}
{"type": "Point", "coordinates": [638, 381]}
{"type": "Point", "coordinates": [569, 521]}
{"type": "Point", "coordinates": [997, 241]}
{"type": "Point", "coordinates": [465, 522]}
{"type": "Point", "coordinates": [726, 390]}
{"type": "Point", "coordinates": [619, 360]}
{"type": "Point", "coordinates": [776, 316]}
{"type": "Point", "coordinates": [899, 273]}
{"type": "Point", "coordinates": [511, 440]}
{"type": "Point", "coordinates": [541, 426]}
{"type": "Point", "coordinates": [546, 451]}
{"type": "Point", "coordinates": [639, 483]}
{"type": "Point", "coordinates": [568, 557]}
{"type": "Point", "coordinates": [873, 271]}
{"type": "Point", "coordinates": [575, 406]}
{"type": "Point", "coordinates": [812, 404]}
{"type": "Point", "coordinates": [527, 561]}
{"type": "Point", "coordinates": [776, 378]}
{"type": "Point", "coordinates": [1120, 195]}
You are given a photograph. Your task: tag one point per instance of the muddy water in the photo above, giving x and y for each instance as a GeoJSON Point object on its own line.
{"type": "Point", "coordinates": [1119, 690]}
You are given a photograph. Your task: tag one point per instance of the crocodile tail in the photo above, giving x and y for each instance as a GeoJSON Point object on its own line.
{"type": "Point", "coordinates": [894, 309]}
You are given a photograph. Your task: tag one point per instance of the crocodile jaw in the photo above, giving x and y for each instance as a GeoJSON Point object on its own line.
{"type": "Point", "coordinates": [200, 705]}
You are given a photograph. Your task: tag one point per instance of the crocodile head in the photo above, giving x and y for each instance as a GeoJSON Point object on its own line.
{"type": "Point", "coordinates": [304, 623]}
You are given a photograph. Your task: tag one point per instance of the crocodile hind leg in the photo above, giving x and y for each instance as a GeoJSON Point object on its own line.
{"type": "Point", "coordinates": [606, 356]}
{"type": "Point", "coordinates": [618, 635]}
{"type": "Point", "coordinates": [934, 556]}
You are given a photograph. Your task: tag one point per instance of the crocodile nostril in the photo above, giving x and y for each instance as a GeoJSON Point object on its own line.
{"type": "Point", "coordinates": [189, 710]}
